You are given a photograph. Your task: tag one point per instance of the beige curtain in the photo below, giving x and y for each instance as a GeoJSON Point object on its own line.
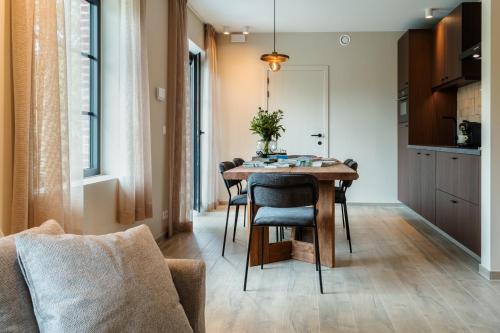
{"type": "Point", "coordinates": [179, 161]}
{"type": "Point", "coordinates": [47, 184]}
{"type": "Point", "coordinates": [210, 173]}
{"type": "Point", "coordinates": [127, 144]}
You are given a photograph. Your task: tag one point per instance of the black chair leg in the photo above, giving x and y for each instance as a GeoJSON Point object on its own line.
{"type": "Point", "coordinates": [318, 259]}
{"type": "Point", "coordinates": [236, 221]}
{"type": "Point", "coordinates": [245, 217]}
{"type": "Point", "coordinates": [343, 215]}
{"type": "Point", "coordinates": [347, 227]}
{"type": "Point", "coordinates": [261, 247]}
{"type": "Point", "coordinates": [248, 258]}
{"type": "Point", "coordinates": [225, 230]}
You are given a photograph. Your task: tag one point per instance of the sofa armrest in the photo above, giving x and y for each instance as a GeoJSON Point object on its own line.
{"type": "Point", "coordinates": [189, 280]}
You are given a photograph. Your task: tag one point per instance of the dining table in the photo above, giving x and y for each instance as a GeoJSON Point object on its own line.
{"type": "Point", "coordinates": [296, 248]}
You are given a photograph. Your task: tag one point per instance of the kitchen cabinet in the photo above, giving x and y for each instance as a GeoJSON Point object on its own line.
{"type": "Point", "coordinates": [403, 178]}
{"type": "Point", "coordinates": [444, 188]}
{"type": "Point", "coordinates": [403, 61]}
{"type": "Point", "coordinates": [414, 179]}
{"type": "Point", "coordinates": [414, 82]}
{"type": "Point", "coordinates": [459, 219]}
{"type": "Point", "coordinates": [428, 185]}
{"type": "Point", "coordinates": [459, 175]}
{"type": "Point", "coordinates": [454, 34]}
{"type": "Point", "coordinates": [422, 182]}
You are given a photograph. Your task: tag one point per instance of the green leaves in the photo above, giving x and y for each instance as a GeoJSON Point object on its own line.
{"type": "Point", "coordinates": [267, 124]}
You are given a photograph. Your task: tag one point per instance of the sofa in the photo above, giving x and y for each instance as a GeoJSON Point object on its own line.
{"type": "Point", "coordinates": [188, 278]}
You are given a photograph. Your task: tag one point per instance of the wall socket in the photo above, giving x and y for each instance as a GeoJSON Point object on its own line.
{"type": "Point", "coordinates": [164, 215]}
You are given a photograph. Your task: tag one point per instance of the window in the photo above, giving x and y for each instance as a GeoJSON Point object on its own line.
{"type": "Point", "coordinates": [89, 34]}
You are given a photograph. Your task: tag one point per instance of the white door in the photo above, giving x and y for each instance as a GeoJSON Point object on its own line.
{"type": "Point", "coordinates": [302, 93]}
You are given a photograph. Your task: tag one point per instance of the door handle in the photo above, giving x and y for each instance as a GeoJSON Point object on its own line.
{"type": "Point", "coordinates": [317, 135]}
{"type": "Point", "coordinates": [201, 132]}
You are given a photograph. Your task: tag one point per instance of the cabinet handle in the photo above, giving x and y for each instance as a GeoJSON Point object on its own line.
{"type": "Point", "coordinates": [419, 153]}
{"type": "Point", "coordinates": [454, 201]}
{"type": "Point", "coordinates": [427, 154]}
{"type": "Point", "coordinates": [454, 158]}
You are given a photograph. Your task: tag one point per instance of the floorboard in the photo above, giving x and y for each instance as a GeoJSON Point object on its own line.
{"type": "Point", "coordinates": [402, 276]}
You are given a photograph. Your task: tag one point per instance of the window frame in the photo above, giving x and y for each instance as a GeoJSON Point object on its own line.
{"type": "Point", "coordinates": [95, 92]}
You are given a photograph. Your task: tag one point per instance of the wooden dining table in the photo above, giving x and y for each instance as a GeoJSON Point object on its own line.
{"type": "Point", "coordinates": [298, 249]}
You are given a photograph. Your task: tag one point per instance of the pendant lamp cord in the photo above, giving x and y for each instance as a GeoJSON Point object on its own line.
{"type": "Point", "coordinates": [274, 25]}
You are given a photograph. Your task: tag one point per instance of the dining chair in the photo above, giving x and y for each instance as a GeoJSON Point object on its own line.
{"type": "Point", "coordinates": [280, 232]}
{"type": "Point", "coordinates": [236, 200]}
{"type": "Point", "coordinates": [340, 198]}
{"type": "Point", "coordinates": [283, 200]}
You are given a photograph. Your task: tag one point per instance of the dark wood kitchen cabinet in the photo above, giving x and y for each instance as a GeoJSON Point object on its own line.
{"type": "Point", "coordinates": [414, 179]}
{"type": "Point", "coordinates": [403, 61]}
{"type": "Point", "coordinates": [422, 182]}
{"type": "Point", "coordinates": [428, 185]}
{"type": "Point", "coordinates": [403, 178]}
{"type": "Point", "coordinates": [454, 34]}
{"type": "Point", "coordinates": [459, 175]}
{"type": "Point", "coordinates": [444, 188]}
{"type": "Point", "coordinates": [414, 82]}
{"type": "Point", "coordinates": [459, 219]}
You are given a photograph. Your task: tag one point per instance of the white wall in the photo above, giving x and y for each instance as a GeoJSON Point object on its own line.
{"type": "Point", "coordinates": [362, 100]}
{"type": "Point", "coordinates": [490, 119]}
{"type": "Point", "coordinates": [195, 29]}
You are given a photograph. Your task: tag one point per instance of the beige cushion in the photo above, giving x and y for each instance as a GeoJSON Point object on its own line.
{"type": "Point", "coordinates": [111, 283]}
{"type": "Point", "coordinates": [16, 310]}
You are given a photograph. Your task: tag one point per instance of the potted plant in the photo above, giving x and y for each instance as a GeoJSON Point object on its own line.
{"type": "Point", "coordinates": [267, 125]}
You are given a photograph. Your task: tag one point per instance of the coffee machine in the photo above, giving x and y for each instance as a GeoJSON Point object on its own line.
{"type": "Point", "coordinates": [470, 134]}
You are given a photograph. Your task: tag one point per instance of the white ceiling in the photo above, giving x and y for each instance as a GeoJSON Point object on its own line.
{"type": "Point", "coordinates": [320, 15]}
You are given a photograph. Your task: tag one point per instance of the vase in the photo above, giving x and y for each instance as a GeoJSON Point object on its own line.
{"type": "Point", "coordinates": [266, 147]}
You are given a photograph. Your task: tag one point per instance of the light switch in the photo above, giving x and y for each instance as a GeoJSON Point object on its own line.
{"type": "Point", "coordinates": [160, 94]}
{"type": "Point", "coordinates": [164, 130]}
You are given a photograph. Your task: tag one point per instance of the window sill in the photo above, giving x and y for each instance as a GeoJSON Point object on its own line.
{"type": "Point", "coordinates": [98, 179]}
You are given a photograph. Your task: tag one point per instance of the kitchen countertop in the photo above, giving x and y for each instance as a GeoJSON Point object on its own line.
{"type": "Point", "coordinates": [449, 149]}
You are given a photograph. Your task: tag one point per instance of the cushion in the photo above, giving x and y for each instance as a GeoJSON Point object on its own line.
{"type": "Point", "coordinates": [16, 309]}
{"type": "Point", "coordinates": [111, 283]}
{"type": "Point", "coordinates": [240, 200]}
{"type": "Point", "coordinates": [299, 216]}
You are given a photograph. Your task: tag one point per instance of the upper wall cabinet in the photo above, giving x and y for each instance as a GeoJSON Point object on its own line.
{"type": "Point", "coordinates": [454, 34]}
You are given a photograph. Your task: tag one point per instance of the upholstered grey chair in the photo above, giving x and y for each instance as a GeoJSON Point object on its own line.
{"type": "Point", "coordinates": [283, 200]}
{"type": "Point", "coordinates": [340, 198]}
{"type": "Point", "coordinates": [236, 200]}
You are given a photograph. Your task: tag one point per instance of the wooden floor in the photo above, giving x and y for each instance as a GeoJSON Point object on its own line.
{"type": "Point", "coordinates": [402, 277]}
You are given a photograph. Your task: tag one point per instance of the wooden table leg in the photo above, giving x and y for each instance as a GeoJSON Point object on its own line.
{"type": "Point", "coordinates": [326, 223]}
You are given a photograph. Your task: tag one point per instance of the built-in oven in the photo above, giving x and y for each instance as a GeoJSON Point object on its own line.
{"type": "Point", "coordinates": [403, 105]}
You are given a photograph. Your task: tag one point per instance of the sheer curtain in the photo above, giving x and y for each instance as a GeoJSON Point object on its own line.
{"type": "Point", "coordinates": [47, 175]}
{"type": "Point", "coordinates": [210, 172]}
{"type": "Point", "coordinates": [126, 122]}
{"type": "Point", "coordinates": [179, 157]}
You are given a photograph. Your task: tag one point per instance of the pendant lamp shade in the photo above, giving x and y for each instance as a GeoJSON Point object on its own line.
{"type": "Point", "coordinates": [274, 59]}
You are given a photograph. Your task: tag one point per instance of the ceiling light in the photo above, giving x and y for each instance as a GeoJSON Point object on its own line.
{"type": "Point", "coordinates": [226, 30]}
{"type": "Point", "coordinates": [429, 13]}
{"type": "Point", "coordinates": [246, 31]}
{"type": "Point", "coordinates": [274, 59]}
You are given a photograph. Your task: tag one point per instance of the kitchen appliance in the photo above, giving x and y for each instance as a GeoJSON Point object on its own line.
{"type": "Point", "coordinates": [403, 106]}
{"type": "Point", "coordinates": [470, 134]}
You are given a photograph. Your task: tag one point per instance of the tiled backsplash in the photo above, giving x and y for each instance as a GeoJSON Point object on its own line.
{"type": "Point", "coordinates": [469, 103]}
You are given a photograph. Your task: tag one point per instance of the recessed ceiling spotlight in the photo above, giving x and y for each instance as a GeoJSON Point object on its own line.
{"type": "Point", "coordinates": [226, 30]}
{"type": "Point", "coordinates": [246, 30]}
{"type": "Point", "coordinates": [429, 13]}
